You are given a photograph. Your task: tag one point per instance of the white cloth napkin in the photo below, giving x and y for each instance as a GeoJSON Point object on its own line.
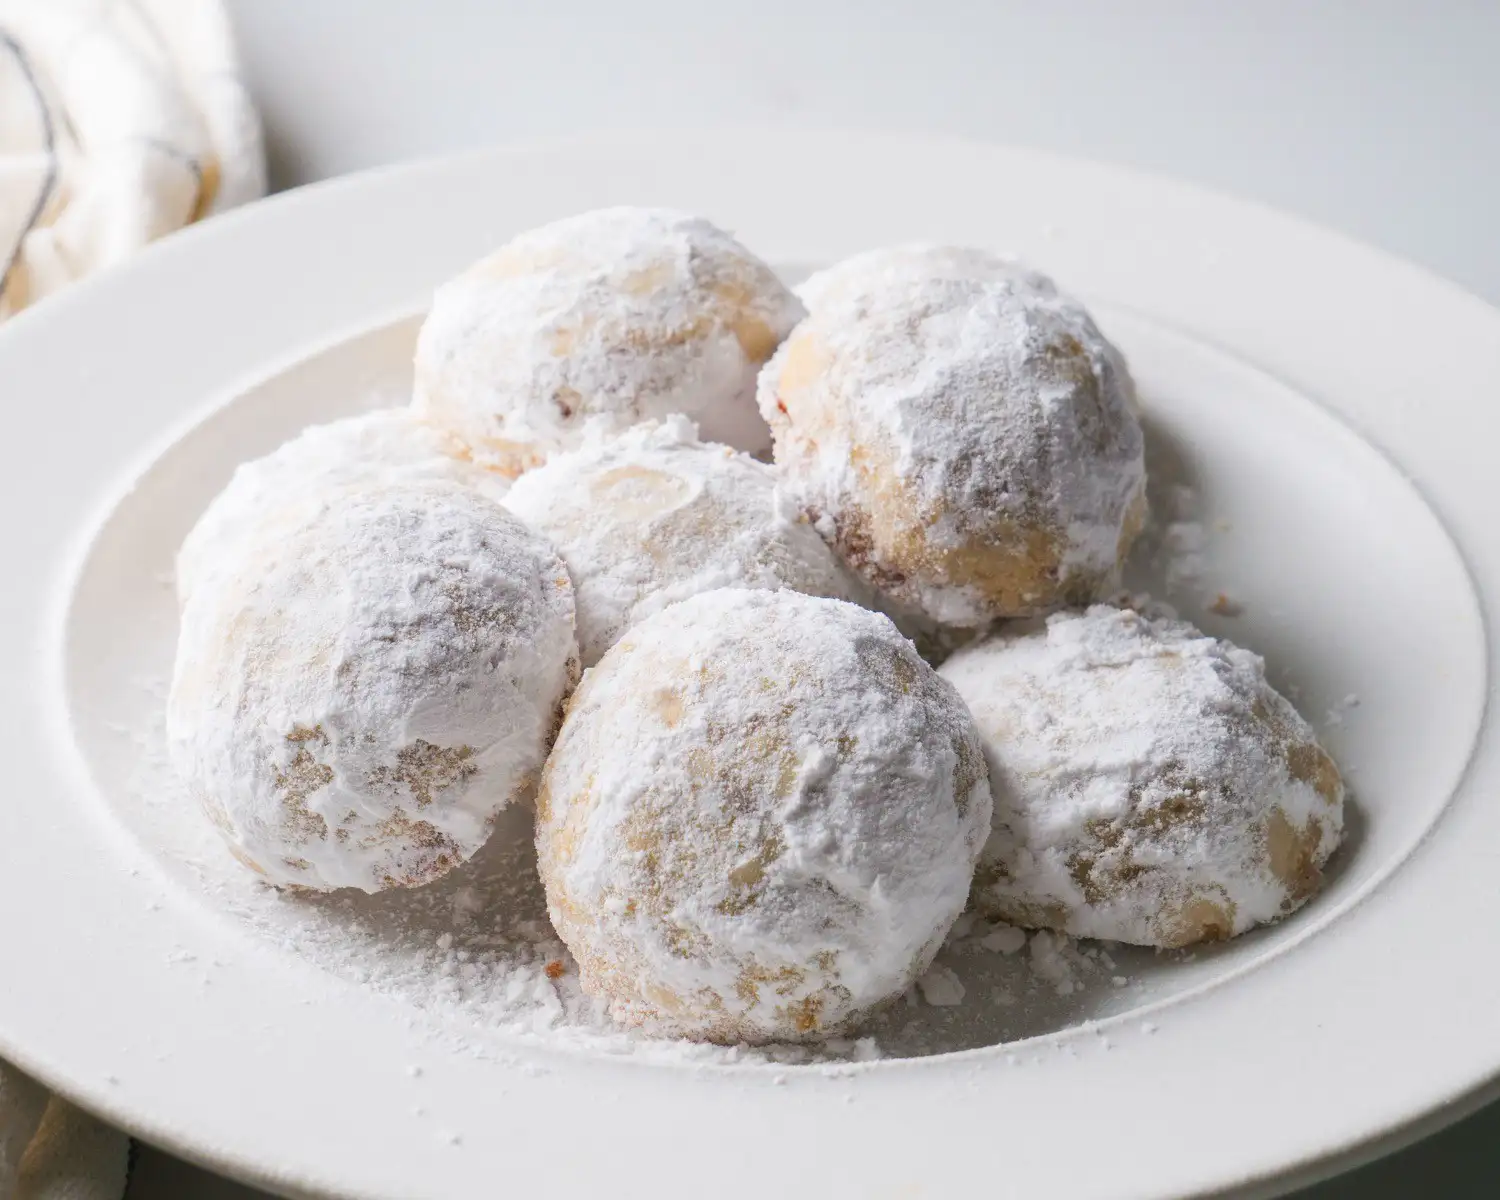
{"type": "Point", "coordinates": [120, 121]}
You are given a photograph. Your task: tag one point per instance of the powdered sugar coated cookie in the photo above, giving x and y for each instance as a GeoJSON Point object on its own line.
{"type": "Point", "coordinates": [760, 818]}
{"type": "Point", "coordinates": [654, 516]}
{"type": "Point", "coordinates": [378, 676]}
{"type": "Point", "coordinates": [621, 314]}
{"type": "Point", "coordinates": [1150, 785]}
{"type": "Point", "coordinates": [970, 446]}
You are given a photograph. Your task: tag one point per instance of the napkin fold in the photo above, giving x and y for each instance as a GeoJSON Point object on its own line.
{"type": "Point", "coordinates": [120, 121]}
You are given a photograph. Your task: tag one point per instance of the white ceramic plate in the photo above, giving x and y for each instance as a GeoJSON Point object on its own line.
{"type": "Point", "coordinates": [1332, 413]}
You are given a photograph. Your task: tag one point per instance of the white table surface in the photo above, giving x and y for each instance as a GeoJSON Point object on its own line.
{"type": "Point", "coordinates": [1379, 118]}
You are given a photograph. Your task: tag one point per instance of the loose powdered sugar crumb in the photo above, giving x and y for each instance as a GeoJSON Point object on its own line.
{"type": "Point", "coordinates": [940, 986]}
{"type": "Point", "coordinates": [1052, 962]}
{"type": "Point", "coordinates": [1006, 939]}
{"type": "Point", "coordinates": [1338, 712]}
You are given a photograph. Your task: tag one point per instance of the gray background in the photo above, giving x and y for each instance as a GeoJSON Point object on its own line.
{"type": "Point", "coordinates": [1381, 119]}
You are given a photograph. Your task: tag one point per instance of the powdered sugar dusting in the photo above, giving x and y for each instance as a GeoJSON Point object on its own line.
{"type": "Point", "coordinates": [389, 444]}
{"type": "Point", "coordinates": [891, 267]}
{"type": "Point", "coordinates": [473, 956]}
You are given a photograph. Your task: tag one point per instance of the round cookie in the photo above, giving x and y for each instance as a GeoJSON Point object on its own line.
{"type": "Point", "coordinates": [655, 516]}
{"type": "Point", "coordinates": [894, 266]}
{"type": "Point", "coordinates": [1150, 786]}
{"type": "Point", "coordinates": [380, 674]}
{"type": "Point", "coordinates": [388, 444]}
{"type": "Point", "coordinates": [969, 446]}
{"type": "Point", "coordinates": [760, 818]}
{"type": "Point", "coordinates": [616, 315]}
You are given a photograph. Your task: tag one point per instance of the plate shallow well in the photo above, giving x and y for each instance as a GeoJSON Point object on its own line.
{"type": "Point", "coordinates": [417, 1043]}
